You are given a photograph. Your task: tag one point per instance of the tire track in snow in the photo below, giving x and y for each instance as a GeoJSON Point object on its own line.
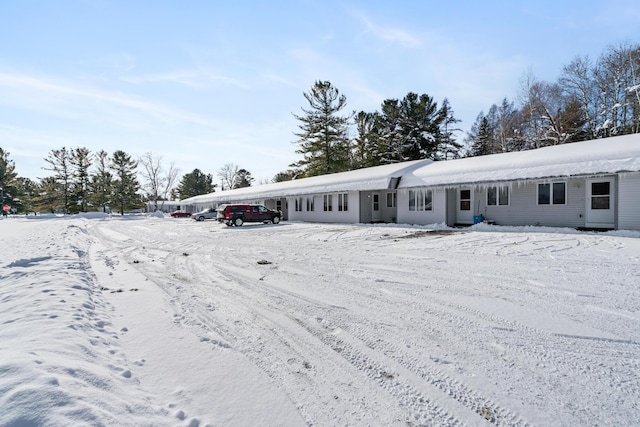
{"type": "Point", "coordinates": [528, 350]}
{"type": "Point", "coordinates": [423, 411]}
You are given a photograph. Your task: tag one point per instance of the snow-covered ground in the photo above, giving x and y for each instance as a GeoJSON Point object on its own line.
{"type": "Point", "coordinates": [160, 321]}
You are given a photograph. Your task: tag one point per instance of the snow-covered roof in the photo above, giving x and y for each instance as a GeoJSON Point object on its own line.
{"type": "Point", "coordinates": [600, 156]}
{"type": "Point", "coordinates": [368, 179]}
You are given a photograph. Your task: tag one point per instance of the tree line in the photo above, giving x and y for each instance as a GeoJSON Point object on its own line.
{"type": "Point", "coordinates": [590, 100]}
{"type": "Point", "coordinates": [82, 181]}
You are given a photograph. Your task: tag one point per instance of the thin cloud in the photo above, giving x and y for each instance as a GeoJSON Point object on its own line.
{"type": "Point", "coordinates": [395, 36]}
{"type": "Point", "coordinates": [197, 79]}
{"type": "Point", "coordinates": [279, 79]}
{"type": "Point", "coordinates": [61, 93]}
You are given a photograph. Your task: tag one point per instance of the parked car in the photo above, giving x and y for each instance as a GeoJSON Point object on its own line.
{"type": "Point", "coordinates": [238, 214]}
{"type": "Point", "coordinates": [180, 214]}
{"type": "Point", "coordinates": [205, 214]}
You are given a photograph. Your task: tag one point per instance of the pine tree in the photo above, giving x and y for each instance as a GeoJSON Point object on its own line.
{"type": "Point", "coordinates": [323, 137]}
{"type": "Point", "coordinates": [480, 137]}
{"type": "Point", "coordinates": [366, 150]}
{"type": "Point", "coordinates": [391, 143]}
{"type": "Point", "coordinates": [195, 184]}
{"type": "Point", "coordinates": [8, 182]}
{"type": "Point", "coordinates": [125, 184]}
{"type": "Point", "coordinates": [49, 197]}
{"type": "Point", "coordinates": [243, 179]}
{"type": "Point", "coordinates": [420, 126]}
{"type": "Point", "coordinates": [447, 148]}
{"type": "Point", "coordinates": [409, 129]}
{"type": "Point", "coordinates": [80, 162]}
{"type": "Point", "coordinates": [101, 184]}
{"type": "Point", "coordinates": [59, 163]}
{"type": "Point", "coordinates": [288, 175]}
{"type": "Point", "coordinates": [27, 191]}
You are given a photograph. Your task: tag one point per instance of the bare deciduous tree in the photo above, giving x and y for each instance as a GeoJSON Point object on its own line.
{"type": "Point", "coordinates": [158, 180]}
{"type": "Point", "coordinates": [228, 175]}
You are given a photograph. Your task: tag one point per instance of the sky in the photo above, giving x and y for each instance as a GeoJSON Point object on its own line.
{"type": "Point", "coordinates": [201, 84]}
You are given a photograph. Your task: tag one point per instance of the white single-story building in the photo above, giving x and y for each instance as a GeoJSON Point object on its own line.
{"type": "Point", "coordinates": [363, 195]}
{"type": "Point", "coordinates": [591, 184]}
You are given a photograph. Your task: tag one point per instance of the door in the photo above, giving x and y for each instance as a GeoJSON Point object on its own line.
{"type": "Point", "coordinates": [600, 203]}
{"type": "Point", "coordinates": [376, 215]}
{"type": "Point", "coordinates": [464, 212]}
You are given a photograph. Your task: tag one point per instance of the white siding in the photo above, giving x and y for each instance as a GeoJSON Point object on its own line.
{"type": "Point", "coordinates": [436, 216]}
{"type": "Point", "coordinates": [629, 201]}
{"type": "Point", "coordinates": [523, 208]}
{"type": "Point", "coordinates": [351, 215]}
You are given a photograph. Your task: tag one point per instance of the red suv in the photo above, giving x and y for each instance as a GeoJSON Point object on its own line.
{"type": "Point", "coordinates": [238, 214]}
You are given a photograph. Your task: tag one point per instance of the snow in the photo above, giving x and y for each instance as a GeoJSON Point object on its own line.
{"type": "Point", "coordinates": [601, 156]}
{"type": "Point", "coordinates": [618, 154]}
{"type": "Point", "coordinates": [374, 178]}
{"type": "Point", "coordinates": [151, 320]}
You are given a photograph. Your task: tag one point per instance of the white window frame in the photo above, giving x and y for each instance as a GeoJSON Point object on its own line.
{"type": "Point", "coordinates": [391, 201]}
{"type": "Point", "coordinates": [551, 193]}
{"type": "Point", "coordinates": [421, 200]}
{"type": "Point", "coordinates": [499, 196]}
{"type": "Point", "coordinates": [310, 204]}
{"type": "Point", "coordinates": [343, 202]}
{"type": "Point", "coordinates": [328, 202]}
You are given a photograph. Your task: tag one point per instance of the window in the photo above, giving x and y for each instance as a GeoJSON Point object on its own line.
{"type": "Point", "coordinates": [498, 196]}
{"type": "Point", "coordinates": [503, 194]}
{"type": "Point", "coordinates": [465, 200]}
{"type": "Point", "coordinates": [492, 196]}
{"type": "Point", "coordinates": [600, 195]}
{"type": "Point", "coordinates": [420, 200]}
{"type": "Point", "coordinates": [298, 202]}
{"type": "Point", "coordinates": [343, 202]}
{"type": "Point", "coordinates": [310, 207]}
{"type": "Point", "coordinates": [552, 194]}
{"type": "Point", "coordinates": [328, 202]}
{"type": "Point", "coordinates": [391, 200]}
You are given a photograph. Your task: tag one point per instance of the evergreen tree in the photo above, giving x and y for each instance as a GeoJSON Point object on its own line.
{"type": "Point", "coordinates": [125, 184]}
{"type": "Point", "coordinates": [448, 148]}
{"type": "Point", "coordinates": [410, 129]}
{"type": "Point", "coordinates": [288, 175]}
{"type": "Point", "coordinates": [27, 191]}
{"type": "Point", "coordinates": [101, 185]}
{"type": "Point", "coordinates": [8, 182]}
{"type": "Point", "coordinates": [80, 162]}
{"type": "Point", "coordinates": [366, 151]}
{"type": "Point", "coordinates": [420, 126]}
{"type": "Point", "coordinates": [480, 137]}
{"type": "Point", "coordinates": [391, 144]}
{"type": "Point", "coordinates": [195, 184]}
{"type": "Point", "coordinates": [60, 165]}
{"type": "Point", "coordinates": [323, 137]}
{"type": "Point", "coordinates": [243, 179]}
{"type": "Point", "coordinates": [49, 197]}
